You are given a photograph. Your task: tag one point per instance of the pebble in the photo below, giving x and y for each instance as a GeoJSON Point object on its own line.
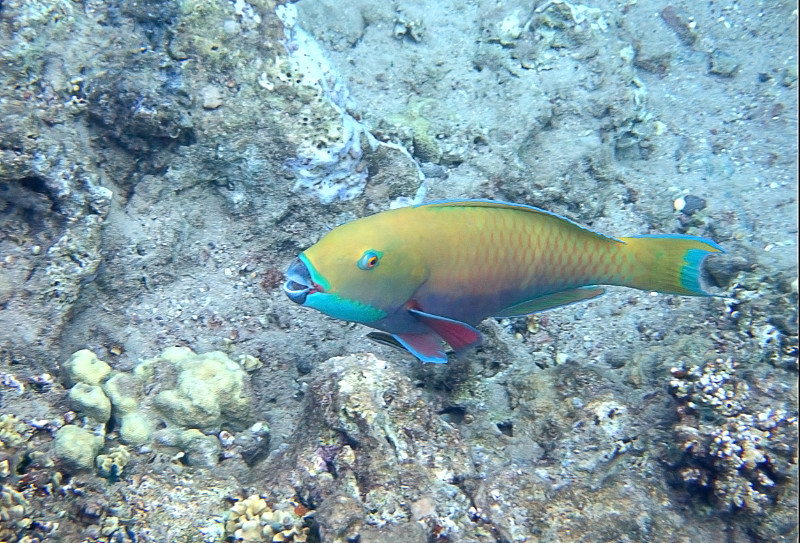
{"type": "Point", "coordinates": [681, 23]}
{"type": "Point", "coordinates": [211, 97]}
{"type": "Point", "coordinates": [692, 204]}
{"type": "Point", "coordinates": [723, 64]}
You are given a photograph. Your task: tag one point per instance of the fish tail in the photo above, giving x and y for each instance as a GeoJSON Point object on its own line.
{"type": "Point", "coordinates": [668, 263]}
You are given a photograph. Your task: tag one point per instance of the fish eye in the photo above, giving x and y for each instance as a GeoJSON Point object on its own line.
{"type": "Point", "coordinates": [369, 259]}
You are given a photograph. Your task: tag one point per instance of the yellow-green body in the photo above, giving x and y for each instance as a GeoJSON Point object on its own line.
{"type": "Point", "coordinates": [446, 264]}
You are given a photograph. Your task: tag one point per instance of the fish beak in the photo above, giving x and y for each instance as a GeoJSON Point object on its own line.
{"type": "Point", "coordinates": [298, 283]}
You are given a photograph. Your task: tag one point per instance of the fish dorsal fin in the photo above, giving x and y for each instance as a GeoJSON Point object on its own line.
{"type": "Point", "coordinates": [515, 207]}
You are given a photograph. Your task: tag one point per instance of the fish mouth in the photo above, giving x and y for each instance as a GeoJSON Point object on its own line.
{"type": "Point", "coordinates": [298, 283]}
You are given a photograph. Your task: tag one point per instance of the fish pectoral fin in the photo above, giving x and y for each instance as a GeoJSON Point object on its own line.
{"type": "Point", "coordinates": [391, 341]}
{"type": "Point", "coordinates": [459, 335]}
{"type": "Point", "coordinates": [427, 346]}
{"type": "Point", "coordinates": [385, 339]}
{"type": "Point", "coordinates": [550, 301]}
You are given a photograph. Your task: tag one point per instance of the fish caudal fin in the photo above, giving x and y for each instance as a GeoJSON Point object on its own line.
{"type": "Point", "coordinates": [669, 263]}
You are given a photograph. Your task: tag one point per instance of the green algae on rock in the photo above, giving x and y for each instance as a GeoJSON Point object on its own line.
{"type": "Point", "coordinates": [205, 391]}
{"type": "Point", "coordinates": [77, 447]}
{"type": "Point", "coordinates": [84, 367]}
{"type": "Point", "coordinates": [89, 400]}
{"type": "Point", "coordinates": [193, 395]}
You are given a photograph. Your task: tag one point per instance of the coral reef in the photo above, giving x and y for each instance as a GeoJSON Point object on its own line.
{"type": "Point", "coordinates": [739, 452]}
{"type": "Point", "coordinates": [193, 395]}
{"type": "Point", "coordinates": [30, 486]}
{"type": "Point", "coordinates": [90, 401]}
{"type": "Point", "coordinates": [329, 163]}
{"type": "Point", "coordinates": [12, 430]}
{"type": "Point", "coordinates": [84, 367]}
{"type": "Point", "coordinates": [763, 313]}
{"type": "Point", "coordinates": [13, 513]}
{"type": "Point", "coordinates": [52, 198]}
{"type": "Point", "coordinates": [162, 161]}
{"type": "Point", "coordinates": [126, 392]}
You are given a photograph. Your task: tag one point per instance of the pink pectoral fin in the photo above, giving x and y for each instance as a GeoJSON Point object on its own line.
{"type": "Point", "coordinates": [427, 347]}
{"type": "Point", "coordinates": [459, 335]}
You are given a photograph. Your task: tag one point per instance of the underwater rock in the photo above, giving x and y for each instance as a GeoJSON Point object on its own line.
{"type": "Point", "coordinates": [365, 427]}
{"type": "Point", "coordinates": [681, 23]}
{"type": "Point", "coordinates": [339, 29]}
{"type": "Point", "coordinates": [199, 449]}
{"type": "Point", "coordinates": [139, 115]}
{"type": "Point", "coordinates": [689, 204]}
{"type": "Point", "coordinates": [722, 63]}
{"type": "Point", "coordinates": [52, 201]}
{"type": "Point", "coordinates": [329, 165]}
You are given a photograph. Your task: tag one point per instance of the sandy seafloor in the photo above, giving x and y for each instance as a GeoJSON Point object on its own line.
{"type": "Point", "coordinates": [162, 162]}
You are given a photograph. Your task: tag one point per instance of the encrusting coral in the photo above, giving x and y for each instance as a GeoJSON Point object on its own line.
{"type": "Point", "coordinates": [737, 453]}
{"type": "Point", "coordinates": [252, 521]}
{"type": "Point", "coordinates": [111, 464]}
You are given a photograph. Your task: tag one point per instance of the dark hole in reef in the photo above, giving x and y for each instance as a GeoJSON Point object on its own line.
{"type": "Point", "coordinates": [454, 414]}
{"type": "Point", "coordinates": [506, 428]}
{"type": "Point", "coordinates": [28, 199]}
{"type": "Point", "coordinates": [23, 464]}
{"type": "Point", "coordinates": [35, 183]}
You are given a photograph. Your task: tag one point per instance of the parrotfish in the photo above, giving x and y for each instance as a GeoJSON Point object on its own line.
{"type": "Point", "coordinates": [428, 274]}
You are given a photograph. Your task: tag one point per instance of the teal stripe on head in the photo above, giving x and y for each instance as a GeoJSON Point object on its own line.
{"type": "Point", "coordinates": [342, 308]}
